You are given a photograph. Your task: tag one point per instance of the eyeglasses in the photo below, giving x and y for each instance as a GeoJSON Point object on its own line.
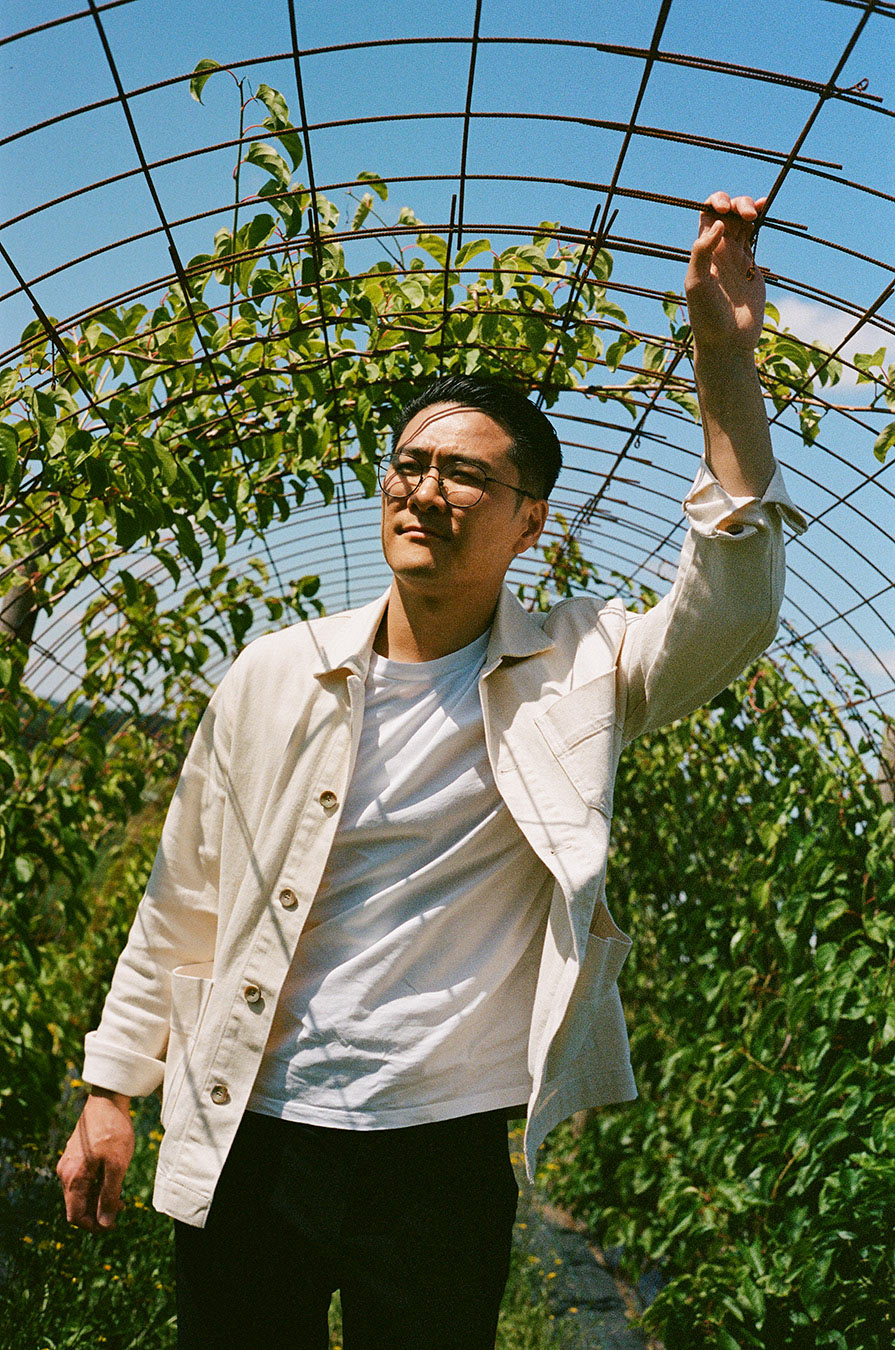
{"type": "Point", "coordinates": [460, 483]}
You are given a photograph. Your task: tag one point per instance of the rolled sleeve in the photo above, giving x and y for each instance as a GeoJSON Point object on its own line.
{"type": "Point", "coordinates": [714, 513]}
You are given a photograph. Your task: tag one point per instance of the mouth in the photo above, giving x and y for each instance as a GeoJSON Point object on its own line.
{"type": "Point", "coordinates": [416, 531]}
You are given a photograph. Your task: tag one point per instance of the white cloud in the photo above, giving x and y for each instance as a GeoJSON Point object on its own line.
{"type": "Point", "coordinates": [819, 323]}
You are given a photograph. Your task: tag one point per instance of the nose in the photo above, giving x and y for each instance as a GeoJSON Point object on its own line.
{"type": "Point", "coordinates": [428, 489]}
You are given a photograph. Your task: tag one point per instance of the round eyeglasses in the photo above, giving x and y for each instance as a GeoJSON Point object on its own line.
{"type": "Point", "coordinates": [459, 482]}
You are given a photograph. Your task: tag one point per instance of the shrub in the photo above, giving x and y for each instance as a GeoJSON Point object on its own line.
{"type": "Point", "coordinates": [753, 860]}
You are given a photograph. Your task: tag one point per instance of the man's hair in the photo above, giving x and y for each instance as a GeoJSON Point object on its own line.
{"type": "Point", "coordinates": [534, 448]}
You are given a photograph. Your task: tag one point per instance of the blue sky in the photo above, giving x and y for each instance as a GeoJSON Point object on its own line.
{"type": "Point", "coordinates": [49, 73]}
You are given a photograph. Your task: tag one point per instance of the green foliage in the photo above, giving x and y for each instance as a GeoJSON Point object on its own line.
{"type": "Point", "coordinates": [61, 1288]}
{"type": "Point", "coordinates": [64, 1289]}
{"type": "Point", "coordinates": [753, 863]}
{"type": "Point", "coordinates": [566, 571]}
{"type": "Point", "coordinates": [57, 962]}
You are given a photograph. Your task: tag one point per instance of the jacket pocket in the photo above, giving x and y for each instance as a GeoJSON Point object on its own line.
{"type": "Point", "coordinates": [580, 730]}
{"type": "Point", "coordinates": [593, 1023]}
{"type": "Point", "coordinates": [606, 952]}
{"type": "Point", "coordinates": [190, 991]}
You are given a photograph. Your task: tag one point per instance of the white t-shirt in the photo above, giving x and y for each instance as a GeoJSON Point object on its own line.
{"type": "Point", "coordinates": [410, 993]}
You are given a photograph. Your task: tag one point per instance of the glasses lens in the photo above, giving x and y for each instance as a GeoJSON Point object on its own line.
{"type": "Point", "coordinates": [398, 477]}
{"type": "Point", "coordinates": [459, 484]}
{"type": "Point", "coordinates": [463, 484]}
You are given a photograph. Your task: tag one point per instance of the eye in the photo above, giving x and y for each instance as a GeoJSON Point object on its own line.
{"type": "Point", "coordinates": [469, 475]}
{"type": "Point", "coordinates": [406, 464]}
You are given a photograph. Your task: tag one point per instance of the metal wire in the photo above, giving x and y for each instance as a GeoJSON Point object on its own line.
{"type": "Point", "coordinates": [627, 477]}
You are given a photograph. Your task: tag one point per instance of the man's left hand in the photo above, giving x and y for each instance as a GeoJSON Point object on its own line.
{"type": "Point", "coordinates": [725, 290]}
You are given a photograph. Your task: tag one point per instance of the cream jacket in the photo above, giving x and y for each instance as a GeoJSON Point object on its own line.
{"type": "Point", "coordinates": [253, 817]}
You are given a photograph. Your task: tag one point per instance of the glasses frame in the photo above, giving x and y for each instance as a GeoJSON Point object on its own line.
{"type": "Point", "coordinates": [387, 462]}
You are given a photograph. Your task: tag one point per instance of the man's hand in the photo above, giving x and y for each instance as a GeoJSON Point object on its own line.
{"type": "Point", "coordinates": [725, 297]}
{"type": "Point", "coordinates": [725, 291]}
{"type": "Point", "coordinates": [95, 1160]}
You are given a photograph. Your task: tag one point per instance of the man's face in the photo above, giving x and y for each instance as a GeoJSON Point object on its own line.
{"type": "Point", "coordinates": [446, 550]}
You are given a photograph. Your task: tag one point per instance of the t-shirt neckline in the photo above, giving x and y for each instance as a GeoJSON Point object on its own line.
{"type": "Point", "coordinates": [473, 654]}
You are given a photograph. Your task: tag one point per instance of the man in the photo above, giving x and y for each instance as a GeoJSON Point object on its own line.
{"type": "Point", "coordinates": [376, 922]}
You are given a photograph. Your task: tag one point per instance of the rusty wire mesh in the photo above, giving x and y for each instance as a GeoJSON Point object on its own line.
{"type": "Point", "coordinates": [594, 156]}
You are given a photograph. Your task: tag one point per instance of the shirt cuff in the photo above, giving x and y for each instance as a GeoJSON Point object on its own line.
{"type": "Point", "coordinates": [714, 513]}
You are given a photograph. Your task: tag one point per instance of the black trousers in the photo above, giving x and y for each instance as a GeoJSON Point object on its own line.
{"type": "Point", "coordinates": [413, 1226]}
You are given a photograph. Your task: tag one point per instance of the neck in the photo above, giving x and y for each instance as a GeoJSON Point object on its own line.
{"type": "Point", "coordinates": [418, 627]}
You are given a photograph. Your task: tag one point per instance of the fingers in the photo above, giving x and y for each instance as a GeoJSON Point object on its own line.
{"type": "Point", "coordinates": [110, 1196]}
{"type": "Point", "coordinates": [704, 247]}
{"type": "Point", "coordinates": [728, 219]}
{"type": "Point", "coordinates": [80, 1189]}
{"type": "Point", "coordinates": [93, 1199]}
{"type": "Point", "coordinates": [721, 204]}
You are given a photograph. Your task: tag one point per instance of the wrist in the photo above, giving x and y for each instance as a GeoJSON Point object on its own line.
{"type": "Point", "coordinates": [120, 1099]}
{"type": "Point", "coordinates": [725, 359]}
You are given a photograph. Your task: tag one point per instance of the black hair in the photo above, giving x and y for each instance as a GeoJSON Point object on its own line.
{"type": "Point", "coordinates": [535, 448]}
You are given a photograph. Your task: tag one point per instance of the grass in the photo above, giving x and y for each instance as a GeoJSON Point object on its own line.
{"type": "Point", "coordinates": [64, 1289]}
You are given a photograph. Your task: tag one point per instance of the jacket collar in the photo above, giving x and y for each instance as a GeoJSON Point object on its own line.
{"type": "Point", "coordinates": [514, 632]}
{"type": "Point", "coordinates": [346, 644]}
{"type": "Point", "coordinates": [346, 641]}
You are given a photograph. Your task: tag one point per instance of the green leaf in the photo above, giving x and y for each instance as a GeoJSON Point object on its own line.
{"type": "Point", "coordinates": [9, 451]}
{"type": "Point", "coordinates": [619, 349]}
{"type": "Point", "coordinates": [131, 589]}
{"type": "Point", "coordinates": [278, 122]}
{"type": "Point", "coordinates": [866, 361]}
{"type": "Point", "coordinates": [435, 246]}
{"type": "Point", "coordinates": [267, 158]}
{"type": "Point", "coordinates": [274, 103]}
{"type": "Point", "coordinates": [9, 380]}
{"type": "Point", "coordinates": [289, 206]}
{"type": "Point", "coordinates": [884, 442]}
{"type": "Point", "coordinates": [202, 72]}
{"type": "Point", "coordinates": [653, 356]}
{"type": "Point", "coordinates": [167, 463]}
{"type": "Point", "coordinates": [365, 206]}
{"type": "Point", "coordinates": [471, 250]}
{"type": "Point", "coordinates": [365, 473]}
{"type": "Point", "coordinates": [671, 304]}
{"type": "Point", "coordinates": [23, 868]}
{"type": "Point", "coordinates": [378, 184]}
{"type": "Point", "coordinates": [794, 351]}
{"type": "Point", "coordinates": [128, 524]}
{"type": "Point", "coordinates": [292, 143]}
{"type": "Point", "coordinates": [685, 401]}
{"type": "Point", "coordinates": [544, 233]}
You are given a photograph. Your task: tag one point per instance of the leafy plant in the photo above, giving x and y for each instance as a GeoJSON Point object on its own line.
{"type": "Point", "coordinates": [753, 863]}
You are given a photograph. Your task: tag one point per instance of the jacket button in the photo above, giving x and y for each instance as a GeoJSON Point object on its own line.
{"type": "Point", "coordinates": [219, 1095]}
{"type": "Point", "coordinates": [251, 993]}
{"type": "Point", "coordinates": [328, 800]}
{"type": "Point", "coordinates": [288, 899]}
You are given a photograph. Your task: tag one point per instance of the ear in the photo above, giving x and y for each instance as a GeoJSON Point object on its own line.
{"type": "Point", "coordinates": [533, 520]}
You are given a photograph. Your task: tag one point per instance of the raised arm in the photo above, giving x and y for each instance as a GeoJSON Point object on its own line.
{"type": "Point", "coordinates": [722, 610]}
{"type": "Point", "coordinates": [726, 297]}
